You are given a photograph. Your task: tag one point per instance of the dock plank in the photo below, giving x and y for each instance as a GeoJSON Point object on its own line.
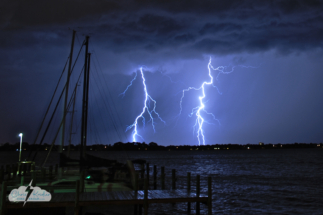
{"type": "Point", "coordinates": [115, 198]}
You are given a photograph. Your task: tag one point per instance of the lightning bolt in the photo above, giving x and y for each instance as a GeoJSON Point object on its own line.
{"type": "Point", "coordinates": [197, 110]}
{"type": "Point", "coordinates": [146, 107]}
{"type": "Point", "coordinates": [29, 189]}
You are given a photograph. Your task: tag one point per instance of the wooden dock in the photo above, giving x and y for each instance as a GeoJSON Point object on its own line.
{"type": "Point", "coordinates": [114, 198]}
{"type": "Point", "coordinates": [139, 198]}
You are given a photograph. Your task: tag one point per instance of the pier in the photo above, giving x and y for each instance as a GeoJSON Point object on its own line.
{"type": "Point", "coordinates": [141, 197]}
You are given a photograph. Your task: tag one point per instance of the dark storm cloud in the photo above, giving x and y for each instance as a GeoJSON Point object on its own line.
{"type": "Point", "coordinates": [172, 37]}
{"type": "Point", "coordinates": [210, 27]}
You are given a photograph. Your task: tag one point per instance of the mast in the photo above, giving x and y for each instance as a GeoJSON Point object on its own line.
{"type": "Point", "coordinates": [87, 100]}
{"type": "Point", "coordinates": [84, 103]}
{"type": "Point", "coordinates": [66, 92]}
{"type": "Point", "coordinates": [71, 126]}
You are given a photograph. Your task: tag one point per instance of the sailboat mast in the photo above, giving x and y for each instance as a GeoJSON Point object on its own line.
{"type": "Point", "coordinates": [66, 92]}
{"type": "Point", "coordinates": [71, 125]}
{"type": "Point", "coordinates": [85, 102]}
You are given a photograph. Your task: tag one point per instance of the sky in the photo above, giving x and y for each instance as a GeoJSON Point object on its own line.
{"type": "Point", "coordinates": [269, 91]}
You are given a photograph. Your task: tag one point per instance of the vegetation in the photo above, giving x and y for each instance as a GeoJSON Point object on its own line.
{"type": "Point", "coordinates": [119, 146]}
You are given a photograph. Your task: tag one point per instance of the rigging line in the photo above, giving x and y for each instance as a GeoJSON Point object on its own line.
{"type": "Point", "coordinates": [41, 125]}
{"type": "Point", "coordinates": [76, 129]}
{"type": "Point", "coordinates": [78, 40]}
{"type": "Point", "coordinates": [52, 99]}
{"type": "Point", "coordinates": [109, 110]}
{"type": "Point", "coordinates": [105, 103]}
{"type": "Point", "coordinates": [62, 121]}
{"type": "Point", "coordinates": [51, 119]}
{"type": "Point", "coordinates": [113, 120]}
{"type": "Point", "coordinates": [98, 106]}
{"type": "Point", "coordinates": [71, 125]}
{"type": "Point", "coordinates": [113, 103]}
{"type": "Point", "coordinates": [67, 108]}
{"type": "Point", "coordinates": [108, 107]}
{"type": "Point", "coordinates": [96, 137]}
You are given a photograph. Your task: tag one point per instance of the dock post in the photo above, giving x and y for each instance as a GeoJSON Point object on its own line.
{"type": "Point", "coordinates": [155, 177]}
{"type": "Point", "coordinates": [188, 191]}
{"type": "Point", "coordinates": [19, 169]}
{"type": "Point", "coordinates": [198, 194]}
{"type": "Point", "coordinates": [147, 167]}
{"type": "Point", "coordinates": [163, 178]}
{"type": "Point", "coordinates": [142, 167]}
{"type": "Point", "coordinates": [82, 181]}
{"type": "Point", "coordinates": [50, 171]}
{"type": "Point", "coordinates": [77, 197]}
{"type": "Point", "coordinates": [34, 178]}
{"type": "Point", "coordinates": [209, 193]}
{"type": "Point", "coordinates": [146, 198]}
{"type": "Point", "coordinates": [22, 180]}
{"type": "Point", "coordinates": [24, 168]}
{"type": "Point", "coordinates": [3, 198]}
{"type": "Point", "coordinates": [173, 179]}
{"type": "Point", "coordinates": [1, 174]}
{"type": "Point", "coordinates": [136, 187]}
{"type": "Point", "coordinates": [32, 167]}
{"type": "Point", "coordinates": [136, 182]}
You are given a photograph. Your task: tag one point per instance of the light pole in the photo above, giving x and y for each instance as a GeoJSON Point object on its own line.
{"type": "Point", "coordinates": [20, 135]}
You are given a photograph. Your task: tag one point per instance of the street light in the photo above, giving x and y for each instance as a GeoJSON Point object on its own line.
{"type": "Point", "coordinates": [20, 135]}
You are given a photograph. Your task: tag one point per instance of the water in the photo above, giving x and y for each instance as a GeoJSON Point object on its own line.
{"type": "Point", "coordinates": [285, 181]}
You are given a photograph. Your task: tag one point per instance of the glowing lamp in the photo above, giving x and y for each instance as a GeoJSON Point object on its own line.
{"type": "Point", "coordinates": [20, 135]}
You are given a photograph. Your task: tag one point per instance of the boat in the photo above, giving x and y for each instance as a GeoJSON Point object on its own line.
{"type": "Point", "coordinates": [96, 174]}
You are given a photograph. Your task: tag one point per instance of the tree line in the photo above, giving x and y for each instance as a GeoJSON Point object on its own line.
{"type": "Point", "coordinates": [152, 146]}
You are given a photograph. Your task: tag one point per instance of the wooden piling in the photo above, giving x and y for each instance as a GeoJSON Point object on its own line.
{"type": "Point", "coordinates": [198, 194]}
{"type": "Point", "coordinates": [82, 181]}
{"type": "Point", "coordinates": [34, 179]}
{"type": "Point", "coordinates": [142, 167]}
{"type": "Point", "coordinates": [188, 191]}
{"type": "Point", "coordinates": [136, 182]}
{"type": "Point", "coordinates": [24, 168]}
{"type": "Point", "coordinates": [163, 178]}
{"type": "Point", "coordinates": [22, 180]}
{"type": "Point", "coordinates": [19, 169]}
{"type": "Point", "coordinates": [155, 177]}
{"type": "Point", "coordinates": [147, 170]}
{"type": "Point", "coordinates": [32, 167]}
{"type": "Point", "coordinates": [209, 193]}
{"type": "Point", "coordinates": [77, 198]}
{"type": "Point", "coordinates": [173, 179]}
{"type": "Point", "coordinates": [146, 198]}
{"type": "Point", "coordinates": [3, 198]}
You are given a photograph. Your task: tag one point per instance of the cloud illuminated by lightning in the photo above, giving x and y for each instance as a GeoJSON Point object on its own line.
{"type": "Point", "coordinates": [148, 99]}
{"type": "Point", "coordinates": [197, 110]}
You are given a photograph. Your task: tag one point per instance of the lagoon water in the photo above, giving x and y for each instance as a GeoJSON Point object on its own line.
{"type": "Point", "coordinates": [278, 181]}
